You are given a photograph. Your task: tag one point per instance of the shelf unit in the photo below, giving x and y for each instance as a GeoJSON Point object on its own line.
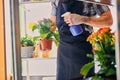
{"type": "Point", "coordinates": [32, 67]}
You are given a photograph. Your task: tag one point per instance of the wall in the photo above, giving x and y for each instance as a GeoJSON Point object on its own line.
{"type": "Point", "coordinates": [31, 13]}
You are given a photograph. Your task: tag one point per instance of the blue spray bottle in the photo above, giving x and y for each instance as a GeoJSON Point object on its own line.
{"type": "Point", "coordinates": [74, 29]}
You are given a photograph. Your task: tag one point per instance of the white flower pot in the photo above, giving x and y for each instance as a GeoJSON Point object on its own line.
{"type": "Point", "coordinates": [27, 52]}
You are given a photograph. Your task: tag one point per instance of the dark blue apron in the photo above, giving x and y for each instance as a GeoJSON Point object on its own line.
{"type": "Point", "coordinates": [72, 50]}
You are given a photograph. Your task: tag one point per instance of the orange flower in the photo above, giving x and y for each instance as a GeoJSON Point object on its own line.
{"type": "Point", "coordinates": [53, 28]}
{"type": "Point", "coordinates": [102, 37]}
{"type": "Point", "coordinates": [103, 30]}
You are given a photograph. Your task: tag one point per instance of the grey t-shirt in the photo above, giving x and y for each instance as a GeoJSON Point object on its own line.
{"type": "Point", "coordinates": [54, 4]}
{"type": "Point", "coordinates": [99, 8]}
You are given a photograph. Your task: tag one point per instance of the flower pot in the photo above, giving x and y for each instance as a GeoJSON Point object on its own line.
{"type": "Point", "coordinates": [45, 44]}
{"type": "Point", "coordinates": [27, 52]}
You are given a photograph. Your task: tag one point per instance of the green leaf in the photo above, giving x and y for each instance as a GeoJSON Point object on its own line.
{"type": "Point", "coordinates": [49, 35]}
{"type": "Point", "coordinates": [44, 29]}
{"type": "Point", "coordinates": [90, 56]}
{"type": "Point", "coordinates": [110, 71]}
{"type": "Point", "coordinates": [27, 40]}
{"type": "Point", "coordinates": [86, 68]}
{"type": "Point", "coordinates": [97, 77]}
{"type": "Point", "coordinates": [56, 35]}
{"type": "Point", "coordinates": [43, 36]}
{"type": "Point", "coordinates": [55, 41]}
{"type": "Point", "coordinates": [35, 27]}
{"type": "Point", "coordinates": [35, 38]}
{"type": "Point", "coordinates": [101, 71]}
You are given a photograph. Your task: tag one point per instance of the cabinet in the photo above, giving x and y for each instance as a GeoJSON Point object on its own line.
{"type": "Point", "coordinates": [39, 68]}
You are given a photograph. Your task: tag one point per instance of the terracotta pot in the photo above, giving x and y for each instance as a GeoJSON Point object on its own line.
{"type": "Point", "coordinates": [45, 44]}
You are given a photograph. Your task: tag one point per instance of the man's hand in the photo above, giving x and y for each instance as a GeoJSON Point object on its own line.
{"type": "Point", "coordinates": [75, 19]}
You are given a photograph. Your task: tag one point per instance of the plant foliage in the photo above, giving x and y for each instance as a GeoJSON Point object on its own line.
{"type": "Point", "coordinates": [103, 42]}
{"type": "Point", "coordinates": [46, 29]}
{"type": "Point", "coordinates": [27, 41]}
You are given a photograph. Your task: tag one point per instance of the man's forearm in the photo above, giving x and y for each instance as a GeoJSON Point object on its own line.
{"type": "Point", "coordinates": [105, 20]}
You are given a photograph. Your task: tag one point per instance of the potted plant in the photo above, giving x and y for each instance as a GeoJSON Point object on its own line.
{"type": "Point", "coordinates": [27, 46]}
{"type": "Point", "coordinates": [103, 42]}
{"type": "Point", "coordinates": [47, 33]}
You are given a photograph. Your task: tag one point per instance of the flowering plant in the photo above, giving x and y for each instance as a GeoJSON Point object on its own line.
{"type": "Point", "coordinates": [103, 42]}
{"type": "Point", "coordinates": [47, 30]}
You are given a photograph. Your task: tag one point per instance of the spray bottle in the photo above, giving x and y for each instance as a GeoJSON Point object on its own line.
{"type": "Point", "coordinates": [74, 29]}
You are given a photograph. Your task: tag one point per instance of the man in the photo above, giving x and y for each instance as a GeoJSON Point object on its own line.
{"type": "Point", "coordinates": [72, 50]}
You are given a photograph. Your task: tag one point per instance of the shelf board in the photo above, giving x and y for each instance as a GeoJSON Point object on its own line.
{"type": "Point", "coordinates": [30, 2]}
{"type": "Point", "coordinates": [87, 1]}
{"type": "Point", "coordinates": [97, 2]}
{"type": "Point", "coordinates": [38, 58]}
